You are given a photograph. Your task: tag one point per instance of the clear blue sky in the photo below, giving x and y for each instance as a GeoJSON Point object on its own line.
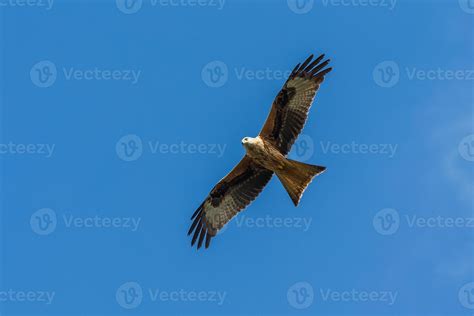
{"type": "Point", "coordinates": [113, 132]}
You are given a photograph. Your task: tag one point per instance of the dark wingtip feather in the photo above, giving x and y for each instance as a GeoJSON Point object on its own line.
{"type": "Point", "coordinates": [323, 73]}
{"type": "Point", "coordinates": [314, 63]}
{"type": "Point", "coordinates": [193, 225]}
{"type": "Point", "coordinates": [293, 72]}
{"type": "Point", "coordinates": [197, 211]}
{"type": "Point", "coordinates": [208, 240]}
{"type": "Point", "coordinates": [196, 233]}
{"type": "Point", "coordinates": [315, 71]}
{"type": "Point", "coordinates": [201, 237]}
{"type": "Point", "coordinates": [305, 63]}
{"type": "Point", "coordinates": [311, 69]}
{"type": "Point", "coordinates": [327, 70]}
{"type": "Point", "coordinates": [320, 57]}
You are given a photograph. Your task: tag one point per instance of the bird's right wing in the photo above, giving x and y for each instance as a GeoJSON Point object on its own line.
{"type": "Point", "coordinates": [291, 106]}
{"type": "Point", "coordinates": [231, 195]}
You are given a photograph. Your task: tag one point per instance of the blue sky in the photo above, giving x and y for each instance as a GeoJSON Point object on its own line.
{"type": "Point", "coordinates": [113, 131]}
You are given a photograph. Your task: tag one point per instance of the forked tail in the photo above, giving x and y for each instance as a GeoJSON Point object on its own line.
{"type": "Point", "coordinates": [296, 176]}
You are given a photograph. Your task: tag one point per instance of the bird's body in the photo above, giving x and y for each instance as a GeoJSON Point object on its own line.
{"type": "Point", "coordinates": [263, 153]}
{"type": "Point", "coordinates": [266, 155]}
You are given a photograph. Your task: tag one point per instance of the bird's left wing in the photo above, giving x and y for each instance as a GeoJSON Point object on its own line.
{"type": "Point", "coordinates": [231, 195]}
{"type": "Point", "coordinates": [290, 107]}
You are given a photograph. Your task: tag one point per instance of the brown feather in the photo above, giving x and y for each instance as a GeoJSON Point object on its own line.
{"type": "Point", "coordinates": [306, 62]}
{"type": "Point", "coordinates": [247, 179]}
{"type": "Point", "coordinates": [237, 190]}
{"type": "Point", "coordinates": [290, 110]}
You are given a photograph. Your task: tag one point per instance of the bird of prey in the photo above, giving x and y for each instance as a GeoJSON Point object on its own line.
{"type": "Point", "coordinates": [266, 155]}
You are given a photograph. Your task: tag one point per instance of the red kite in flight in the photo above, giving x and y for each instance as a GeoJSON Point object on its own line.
{"type": "Point", "coordinates": [265, 155]}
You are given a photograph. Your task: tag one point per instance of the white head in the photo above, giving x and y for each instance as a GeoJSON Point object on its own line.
{"type": "Point", "coordinates": [249, 141]}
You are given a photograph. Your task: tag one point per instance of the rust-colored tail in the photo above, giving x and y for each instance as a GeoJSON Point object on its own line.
{"type": "Point", "coordinates": [296, 176]}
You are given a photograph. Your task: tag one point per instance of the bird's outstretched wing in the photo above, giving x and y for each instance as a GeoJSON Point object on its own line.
{"type": "Point", "coordinates": [290, 107]}
{"type": "Point", "coordinates": [231, 195]}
